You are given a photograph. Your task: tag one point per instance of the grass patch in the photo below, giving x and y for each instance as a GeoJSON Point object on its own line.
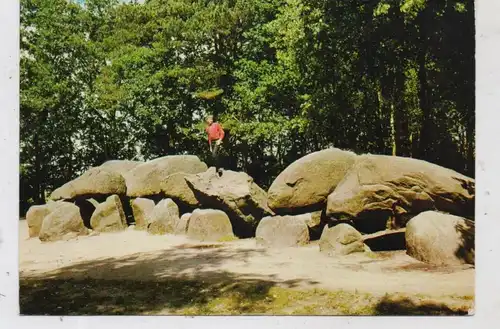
{"type": "Point", "coordinates": [372, 255]}
{"type": "Point", "coordinates": [226, 297]}
{"type": "Point", "coordinates": [227, 238]}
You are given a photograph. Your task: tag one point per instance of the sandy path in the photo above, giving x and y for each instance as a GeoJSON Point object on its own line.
{"type": "Point", "coordinates": [136, 255]}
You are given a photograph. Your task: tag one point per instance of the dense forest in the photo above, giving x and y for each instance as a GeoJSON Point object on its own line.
{"type": "Point", "coordinates": [107, 79]}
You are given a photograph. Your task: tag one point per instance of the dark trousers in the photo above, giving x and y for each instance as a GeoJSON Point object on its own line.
{"type": "Point", "coordinates": [216, 162]}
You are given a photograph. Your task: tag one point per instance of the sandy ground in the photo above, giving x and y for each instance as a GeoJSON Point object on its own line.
{"type": "Point", "coordinates": [135, 255]}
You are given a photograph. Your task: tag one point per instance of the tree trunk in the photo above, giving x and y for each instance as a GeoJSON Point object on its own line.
{"type": "Point", "coordinates": [424, 93]}
{"type": "Point", "coordinates": [401, 131]}
{"type": "Point", "coordinates": [38, 185]}
{"type": "Point", "coordinates": [471, 163]}
{"type": "Point", "coordinates": [400, 115]}
{"type": "Point", "coordinates": [393, 132]}
{"type": "Point", "coordinates": [38, 171]}
{"type": "Point", "coordinates": [42, 194]}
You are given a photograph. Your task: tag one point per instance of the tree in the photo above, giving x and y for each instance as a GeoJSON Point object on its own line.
{"type": "Point", "coordinates": [107, 79]}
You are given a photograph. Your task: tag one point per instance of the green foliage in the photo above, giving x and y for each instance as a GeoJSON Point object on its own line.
{"type": "Point", "coordinates": [382, 9]}
{"type": "Point", "coordinates": [412, 7]}
{"type": "Point", "coordinates": [122, 80]}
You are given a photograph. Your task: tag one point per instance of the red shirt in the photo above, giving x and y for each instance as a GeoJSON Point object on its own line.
{"type": "Point", "coordinates": [214, 132]}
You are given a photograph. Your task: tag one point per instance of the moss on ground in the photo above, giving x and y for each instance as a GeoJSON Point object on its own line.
{"type": "Point", "coordinates": [196, 297]}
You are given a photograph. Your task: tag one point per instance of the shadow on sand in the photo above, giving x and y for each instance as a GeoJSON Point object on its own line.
{"type": "Point", "coordinates": [183, 280]}
{"type": "Point", "coordinates": [145, 284]}
{"type": "Point", "coordinates": [405, 306]}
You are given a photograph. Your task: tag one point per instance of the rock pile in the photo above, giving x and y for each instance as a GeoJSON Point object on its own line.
{"type": "Point", "coordinates": [351, 203]}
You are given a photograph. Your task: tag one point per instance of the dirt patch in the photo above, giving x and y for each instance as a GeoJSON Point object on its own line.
{"type": "Point", "coordinates": [427, 268]}
{"type": "Point", "coordinates": [135, 259]}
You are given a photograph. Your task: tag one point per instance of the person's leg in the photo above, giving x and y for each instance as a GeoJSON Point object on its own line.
{"type": "Point", "coordinates": [217, 160]}
{"type": "Point", "coordinates": [220, 164]}
{"type": "Point", "coordinates": [215, 156]}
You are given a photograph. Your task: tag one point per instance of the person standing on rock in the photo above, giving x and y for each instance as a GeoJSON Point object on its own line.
{"type": "Point", "coordinates": [216, 135]}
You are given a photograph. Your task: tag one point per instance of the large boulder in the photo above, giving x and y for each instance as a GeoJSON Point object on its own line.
{"type": "Point", "coordinates": [120, 166]}
{"type": "Point", "coordinates": [147, 178]}
{"type": "Point", "coordinates": [282, 231]}
{"type": "Point", "coordinates": [34, 218]}
{"type": "Point", "coordinates": [175, 187]}
{"type": "Point", "coordinates": [109, 216]}
{"type": "Point", "coordinates": [315, 222]}
{"type": "Point", "coordinates": [63, 220]}
{"type": "Point", "coordinates": [236, 194]}
{"type": "Point", "coordinates": [95, 181]}
{"type": "Point", "coordinates": [305, 184]}
{"type": "Point", "coordinates": [209, 225]}
{"type": "Point", "coordinates": [182, 225]}
{"type": "Point", "coordinates": [341, 239]}
{"type": "Point", "coordinates": [141, 209]}
{"type": "Point", "coordinates": [163, 218]}
{"type": "Point", "coordinates": [381, 188]}
{"type": "Point", "coordinates": [440, 239]}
